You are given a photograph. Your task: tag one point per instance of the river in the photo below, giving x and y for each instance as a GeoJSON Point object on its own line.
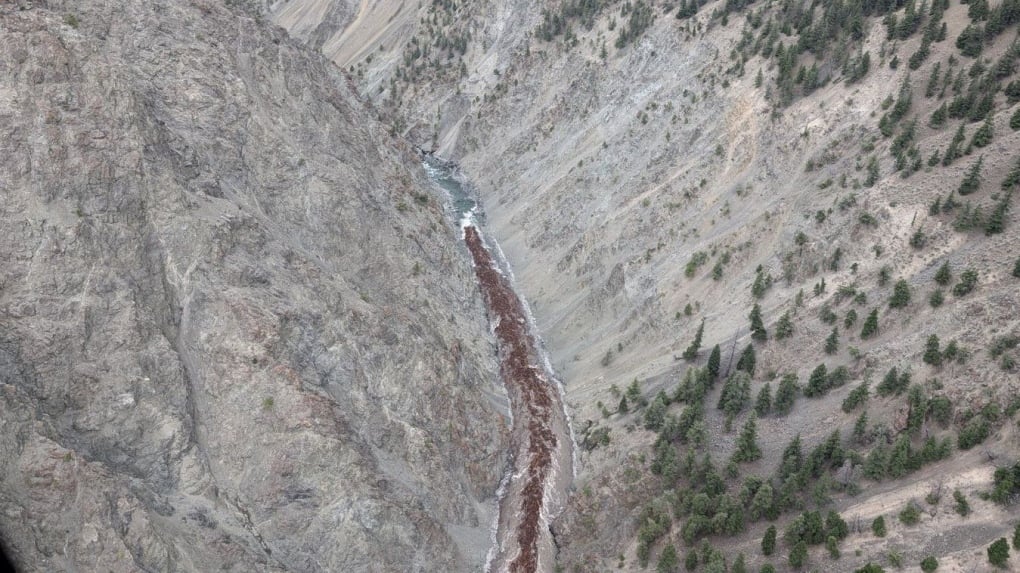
{"type": "Point", "coordinates": [535, 487]}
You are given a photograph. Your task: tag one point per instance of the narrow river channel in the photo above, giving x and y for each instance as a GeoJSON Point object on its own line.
{"type": "Point", "coordinates": [542, 447]}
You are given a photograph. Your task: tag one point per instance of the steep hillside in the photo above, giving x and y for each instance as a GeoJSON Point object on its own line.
{"type": "Point", "coordinates": [237, 331]}
{"type": "Point", "coordinates": [645, 164]}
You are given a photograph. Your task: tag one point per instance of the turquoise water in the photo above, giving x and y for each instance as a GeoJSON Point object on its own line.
{"type": "Point", "coordinates": [463, 204]}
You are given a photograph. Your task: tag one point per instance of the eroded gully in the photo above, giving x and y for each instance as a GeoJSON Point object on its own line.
{"type": "Point", "coordinates": [541, 457]}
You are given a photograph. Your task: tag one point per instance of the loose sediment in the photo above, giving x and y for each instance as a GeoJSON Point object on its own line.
{"type": "Point", "coordinates": [540, 444]}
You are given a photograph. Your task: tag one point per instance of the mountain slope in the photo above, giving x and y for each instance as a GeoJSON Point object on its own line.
{"type": "Point", "coordinates": [236, 330]}
{"type": "Point", "coordinates": [638, 168]}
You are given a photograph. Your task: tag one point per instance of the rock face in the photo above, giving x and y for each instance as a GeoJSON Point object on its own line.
{"type": "Point", "coordinates": [609, 166]}
{"type": "Point", "coordinates": [236, 330]}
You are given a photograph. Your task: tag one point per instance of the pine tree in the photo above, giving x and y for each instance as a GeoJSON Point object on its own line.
{"type": "Point", "coordinates": [1016, 269]}
{"type": "Point", "coordinates": [968, 280]}
{"type": "Point", "coordinates": [972, 180]}
{"type": "Point", "coordinates": [1014, 120]}
{"type": "Point", "coordinates": [768, 542]}
{"type": "Point", "coordinates": [932, 353]}
{"type": "Point", "coordinates": [996, 222]}
{"type": "Point", "coordinates": [818, 382]}
{"type": "Point", "coordinates": [692, 351]}
{"type": "Point", "coordinates": [763, 505]}
{"type": "Point", "coordinates": [763, 405]}
{"type": "Point", "coordinates": [714, 360]}
{"type": "Point", "coordinates": [786, 394]}
{"type": "Point", "coordinates": [870, 327]}
{"type": "Point", "coordinates": [691, 561]}
{"type": "Point", "coordinates": [856, 397]}
{"type": "Point", "coordinates": [832, 341]}
{"type": "Point", "coordinates": [944, 276]}
{"type": "Point", "coordinates": [762, 282]}
{"type": "Point", "coordinates": [784, 328]}
{"type": "Point", "coordinates": [901, 294]}
{"type": "Point", "coordinates": [929, 564]}
{"type": "Point", "coordinates": [836, 526]}
{"type": "Point", "coordinates": [739, 564]}
{"type": "Point", "coordinates": [798, 554]}
{"type": "Point", "coordinates": [938, 117]}
{"type": "Point", "coordinates": [747, 449]}
{"type": "Point", "coordinates": [792, 459]}
{"type": "Point", "coordinates": [746, 361]}
{"type": "Point", "coordinates": [623, 408]}
{"type": "Point", "coordinates": [758, 331]}
{"type": "Point", "coordinates": [861, 427]}
{"type": "Point", "coordinates": [983, 136]}
{"type": "Point", "coordinates": [1012, 178]}
{"type": "Point", "coordinates": [1016, 536]}
{"type": "Point", "coordinates": [953, 152]}
{"type": "Point", "coordinates": [668, 560]}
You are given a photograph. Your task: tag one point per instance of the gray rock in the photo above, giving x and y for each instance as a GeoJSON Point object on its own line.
{"type": "Point", "coordinates": [231, 335]}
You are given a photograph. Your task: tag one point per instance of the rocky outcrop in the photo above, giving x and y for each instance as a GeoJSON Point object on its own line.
{"type": "Point", "coordinates": [236, 331]}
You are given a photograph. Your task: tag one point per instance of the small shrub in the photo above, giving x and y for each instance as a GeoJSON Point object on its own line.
{"type": "Point", "coordinates": [72, 21]}
{"type": "Point", "coordinates": [910, 515]}
{"type": "Point", "coordinates": [944, 275]}
{"type": "Point", "coordinates": [968, 280]}
{"type": "Point", "coordinates": [878, 526]}
{"type": "Point", "coordinates": [998, 553]}
{"type": "Point", "coordinates": [961, 505]}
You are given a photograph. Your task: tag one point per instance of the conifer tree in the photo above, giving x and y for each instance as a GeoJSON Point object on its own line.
{"type": "Point", "coordinates": [1012, 178]}
{"type": "Point", "coordinates": [692, 351]}
{"type": "Point", "coordinates": [983, 135]}
{"type": "Point", "coordinates": [746, 362]}
{"type": "Point", "coordinates": [758, 331]}
{"type": "Point", "coordinates": [972, 180]}
{"type": "Point", "coordinates": [798, 554]}
{"type": "Point", "coordinates": [763, 404]}
{"type": "Point", "coordinates": [818, 382]}
{"type": "Point", "coordinates": [784, 327]}
{"type": "Point", "coordinates": [901, 294]}
{"type": "Point", "coordinates": [861, 427]}
{"type": "Point", "coordinates": [832, 341]}
{"type": "Point", "coordinates": [768, 541]}
{"type": "Point", "coordinates": [944, 276]}
{"type": "Point", "coordinates": [668, 560]}
{"type": "Point", "coordinates": [786, 394]}
{"type": "Point", "coordinates": [932, 353]}
{"type": "Point", "coordinates": [953, 152]}
{"type": "Point", "coordinates": [870, 327]}
{"type": "Point", "coordinates": [714, 360]}
{"type": "Point", "coordinates": [747, 448]}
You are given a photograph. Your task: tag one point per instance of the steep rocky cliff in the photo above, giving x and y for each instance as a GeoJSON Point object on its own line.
{"type": "Point", "coordinates": [237, 331]}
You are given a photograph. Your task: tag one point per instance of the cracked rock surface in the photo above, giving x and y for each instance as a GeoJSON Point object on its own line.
{"type": "Point", "coordinates": [236, 329]}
